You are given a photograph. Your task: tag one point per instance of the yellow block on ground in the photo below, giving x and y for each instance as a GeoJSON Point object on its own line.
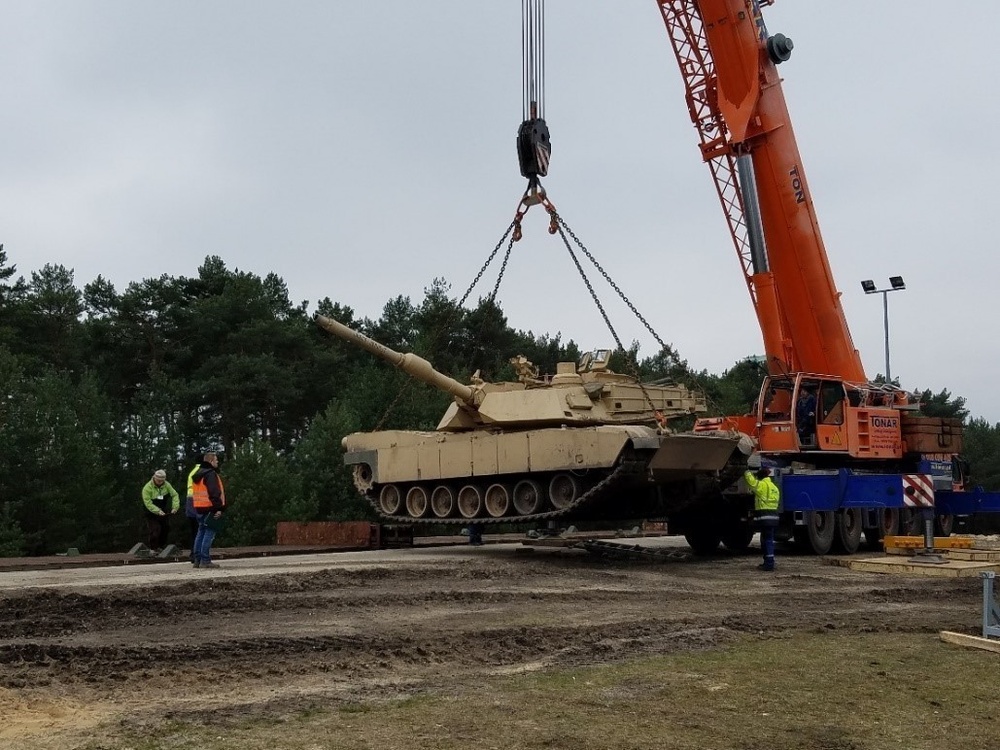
{"type": "Point", "coordinates": [917, 542]}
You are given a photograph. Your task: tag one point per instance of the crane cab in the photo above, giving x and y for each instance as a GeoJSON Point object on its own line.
{"type": "Point", "coordinates": [805, 413]}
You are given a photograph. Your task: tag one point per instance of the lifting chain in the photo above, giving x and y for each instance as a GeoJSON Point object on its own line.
{"type": "Point", "coordinates": [408, 383]}
{"type": "Point", "coordinates": [562, 228]}
{"type": "Point", "coordinates": [534, 195]}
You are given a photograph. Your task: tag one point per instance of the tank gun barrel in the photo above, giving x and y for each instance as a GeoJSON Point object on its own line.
{"type": "Point", "coordinates": [411, 364]}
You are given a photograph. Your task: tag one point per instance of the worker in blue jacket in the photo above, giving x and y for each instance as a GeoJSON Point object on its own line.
{"type": "Point", "coordinates": [766, 499]}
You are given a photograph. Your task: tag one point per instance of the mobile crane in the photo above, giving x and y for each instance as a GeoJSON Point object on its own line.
{"type": "Point", "coordinates": [858, 457]}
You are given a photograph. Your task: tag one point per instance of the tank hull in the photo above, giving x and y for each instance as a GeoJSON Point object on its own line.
{"type": "Point", "coordinates": [534, 474]}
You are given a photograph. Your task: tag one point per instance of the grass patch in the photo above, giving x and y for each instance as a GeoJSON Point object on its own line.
{"type": "Point", "coordinates": [828, 691]}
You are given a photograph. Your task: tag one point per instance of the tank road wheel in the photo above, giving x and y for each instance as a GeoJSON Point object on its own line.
{"type": "Point", "coordinates": [848, 524]}
{"type": "Point", "coordinates": [944, 525]}
{"type": "Point", "coordinates": [443, 501]}
{"type": "Point", "coordinates": [390, 500]}
{"type": "Point", "coordinates": [817, 535]}
{"type": "Point", "coordinates": [528, 498]}
{"type": "Point", "coordinates": [888, 525]}
{"type": "Point", "coordinates": [470, 501]}
{"type": "Point", "coordinates": [418, 502]}
{"type": "Point", "coordinates": [563, 490]}
{"type": "Point", "coordinates": [497, 500]}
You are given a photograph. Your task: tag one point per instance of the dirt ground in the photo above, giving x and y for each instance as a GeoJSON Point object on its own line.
{"type": "Point", "coordinates": [90, 652]}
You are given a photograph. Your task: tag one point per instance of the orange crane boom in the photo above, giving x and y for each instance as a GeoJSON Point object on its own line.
{"type": "Point", "coordinates": [729, 65]}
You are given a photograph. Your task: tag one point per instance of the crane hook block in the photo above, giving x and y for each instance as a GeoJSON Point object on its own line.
{"type": "Point", "coordinates": [779, 48]}
{"type": "Point", "coordinates": [533, 148]}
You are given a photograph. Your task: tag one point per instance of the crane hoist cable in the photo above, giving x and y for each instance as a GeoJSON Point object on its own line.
{"type": "Point", "coordinates": [533, 151]}
{"type": "Point", "coordinates": [534, 147]}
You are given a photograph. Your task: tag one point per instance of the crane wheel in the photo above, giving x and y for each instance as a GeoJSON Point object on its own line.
{"type": "Point", "coordinates": [703, 540]}
{"type": "Point", "coordinates": [848, 524]}
{"type": "Point", "coordinates": [944, 524]}
{"type": "Point", "coordinates": [816, 536]}
{"type": "Point", "coordinates": [888, 525]}
{"type": "Point", "coordinates": [911, 522]}
{"type": "Point", "coordinates": [736, 537]}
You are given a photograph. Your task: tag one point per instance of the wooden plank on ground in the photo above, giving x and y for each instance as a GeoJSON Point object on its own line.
{"type": "Point", "coordinates": [905, 565]}
{"type": "Point", "coordinates": [975, 555]}
{"type": "Point", "coordinates": [966, 555]}
{"type": "Point", "coordinates": [971, 641]}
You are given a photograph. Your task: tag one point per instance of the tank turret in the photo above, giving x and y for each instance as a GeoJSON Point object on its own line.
{"type": "Point", "coordinates": [584, 393]}
{"type": "Point", "coordinates": [576, 444]}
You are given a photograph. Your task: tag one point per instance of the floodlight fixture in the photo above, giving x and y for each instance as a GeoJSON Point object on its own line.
{"type": "Point", "coordinates": [869, 286]}
{"type": "Point", "coordinates": [897, 282]}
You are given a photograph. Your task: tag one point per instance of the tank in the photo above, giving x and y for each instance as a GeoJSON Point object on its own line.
{"type": "Point", "coordinates": [584, 443]}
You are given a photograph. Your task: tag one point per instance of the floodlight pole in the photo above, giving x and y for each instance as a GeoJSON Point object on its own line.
{"type": "Point", "coordinates": [895, 284]}
{"type": "Point", "coordinates": [885, 317]}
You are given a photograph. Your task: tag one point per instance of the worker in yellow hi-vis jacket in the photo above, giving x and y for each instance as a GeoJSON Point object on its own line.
{"type": "Point", "coordinates": [766, 499]}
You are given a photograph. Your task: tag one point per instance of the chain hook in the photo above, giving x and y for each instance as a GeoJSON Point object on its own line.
{"type": "Point", "coordinates": [535, 194]}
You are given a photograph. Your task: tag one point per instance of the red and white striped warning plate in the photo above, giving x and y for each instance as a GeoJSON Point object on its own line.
{"type": "Point", "coordinates": [918, 490]}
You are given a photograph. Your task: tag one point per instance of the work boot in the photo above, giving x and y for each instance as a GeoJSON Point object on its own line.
{"type": "Point", "coordinates": [195, 563]}
{"type": "Point", "coordinates": [766, 567]}
{"type": "Point", "coordinates": [209, 565]}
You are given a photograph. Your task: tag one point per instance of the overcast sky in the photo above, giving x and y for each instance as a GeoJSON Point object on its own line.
{"type": "Point", "coordinates": [361, 149]}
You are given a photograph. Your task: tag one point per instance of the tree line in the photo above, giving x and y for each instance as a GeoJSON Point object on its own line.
{"type": "Point", "coordinates": [100, 387]}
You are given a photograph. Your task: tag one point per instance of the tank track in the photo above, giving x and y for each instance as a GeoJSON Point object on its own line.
{"type": "Point", "coordinates": [632, 552]}
{"type": "Point", "coordinates": [621, 471]}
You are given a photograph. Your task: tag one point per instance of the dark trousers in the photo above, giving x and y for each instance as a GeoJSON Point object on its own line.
{"type": "Point", "coordinates": [193, 533]}
{"type": "Point", "coordinates": [475, 533]}
{"type": "Point", "coordinates": [159, 529]}
{"type": "Point", "coordinates": [767, 546]}
{"type": "Point", "coordinates": [767, 522]}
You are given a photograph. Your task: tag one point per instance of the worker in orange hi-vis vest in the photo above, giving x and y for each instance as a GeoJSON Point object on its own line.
{"type": "Point", "coordinates": [209, 501]}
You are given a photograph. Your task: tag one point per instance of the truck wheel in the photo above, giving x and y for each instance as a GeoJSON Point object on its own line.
{"type": "Point", "coordinates": [888, 525]}
{"type": "Point", "coordinates": [848, 524]}
{"type": "Point", "coordinates": [944, 525]}
{"type": "Point", "coordinates": [817, 534]}
{"type": "Point", "coordinates": [736, 538]}
{"type": "Point", "coordinates": [703, 540]}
